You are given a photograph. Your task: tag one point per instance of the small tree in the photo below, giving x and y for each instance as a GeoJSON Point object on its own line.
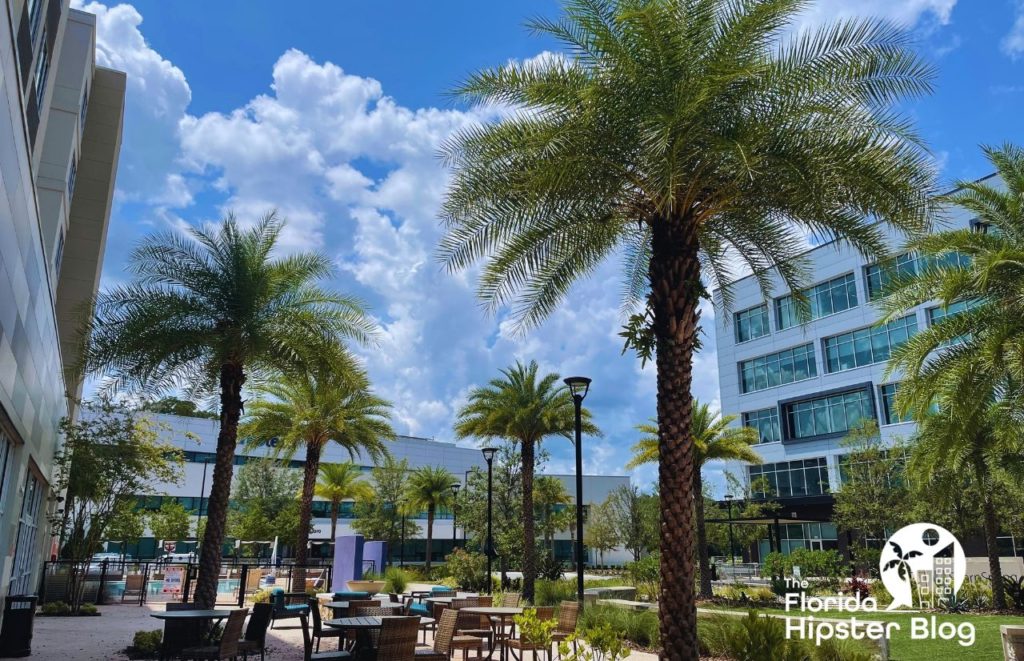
{"type": "Point", "coordinates": [171, 522]}
{"type": "Point", "coordinates": [107, 459]}
{"type": "Point", "coordinates": [430, 487]}
{"type": "Point", "coordinates": [600, 532]}
{"type": "Point", "coordinates": [267, 495]}
{"type": "Point", "coordinates": [127, 525]}
{"type": "Point", "coordinates": [175, 406]}
{"type": "Point", "coordinates": [635, 518]}
{"type": "Point", "coordinates": [550, 503]}
{"type": "Point", "coordinates": [378, 514]}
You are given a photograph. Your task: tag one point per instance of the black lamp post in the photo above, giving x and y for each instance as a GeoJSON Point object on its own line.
{"type": "Point", "coordinates": [579, 386]}
{"type": "Point", "coordinates": [732, 546]}
{"type": "Point", "coordinates": [455, 514]}
{"type": "Point", "coordinates": [489, 543]}
{"type": "Point", "coordinates": [465, 480]}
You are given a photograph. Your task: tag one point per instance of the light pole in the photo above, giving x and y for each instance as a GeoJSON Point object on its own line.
{"type": "Point", "coordinates": [579, 386]}
{"type": "Point", "coordinates": [465, 481]}
{"type": "Point", "coordinates": [455, 513]}
{"type": "Point", "coordinates": [489, 543]}
{"type": "Point", "coordinates": [732, 546]}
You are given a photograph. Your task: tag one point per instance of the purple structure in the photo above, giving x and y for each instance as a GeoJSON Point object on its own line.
{"type": "Point", "coordinates": [348, 561]}
{"type": "Point", "coordinates": [374, 556]}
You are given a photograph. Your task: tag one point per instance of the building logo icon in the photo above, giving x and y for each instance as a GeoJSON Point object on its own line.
{"type": "Point", "coordinates": [926, 556]}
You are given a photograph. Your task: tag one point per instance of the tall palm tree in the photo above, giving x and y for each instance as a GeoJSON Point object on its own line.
{"type": "Point", "coordinates": [330, 402]}
{"type": "Point", "coordinates": [203, 312]}
{"type": "Point", "coordinates": [430, 487]}
{"type": "Point", "coordinates": [522, 407]}
{"type": "Point", "coordinates": [548, 493]}
{"type": "Point", "coordinates": [341, 482]}
{"type": "Point", "coordinates": [963, 374]}
{"type": "Point", "coordinates": [682, 134]}
{"type": "Point", "coordinates": [712, 438]}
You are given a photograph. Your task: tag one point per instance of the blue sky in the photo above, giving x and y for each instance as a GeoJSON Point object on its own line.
{"type": "Point", "coordinates": [332, 113]}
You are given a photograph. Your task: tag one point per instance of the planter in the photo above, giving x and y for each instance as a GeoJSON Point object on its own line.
{"type": "Point", "coordinates": [373, 587]}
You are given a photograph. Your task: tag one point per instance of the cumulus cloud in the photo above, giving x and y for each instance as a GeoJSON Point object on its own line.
{"type": "Point", "coordinates": [909, 13]}
{"type": "Point", "coordinates": [1013, 43]}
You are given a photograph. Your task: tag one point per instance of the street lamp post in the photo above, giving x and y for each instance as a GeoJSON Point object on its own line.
{"type": "Point", "coordinates": [465, 481]}
{"type": "Point", "coordinates": [489, 543]}
{"type": "Point", "coordinates": [579, 386]}
{"type": "Point", "coordinates": [732, 546]}
{"type": "Point", "coordinates": [455, 513]}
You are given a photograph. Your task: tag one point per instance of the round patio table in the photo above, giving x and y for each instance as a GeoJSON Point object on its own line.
{"type": "Point", "coordinates": [502, 614]}
{"type": "Point", "coordinates": [343, 605]}
{"type": "Point", "coordinates": [363, 624]}
{"type": "Point", "coordinates": [191, 615]}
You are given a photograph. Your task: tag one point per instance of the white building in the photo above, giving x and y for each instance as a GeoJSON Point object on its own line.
{"type": "Point", "coordinates": [60, 136]}
{"type": "Point", "coordinates": [804, 385]}
{"type": "Point", "coordinates": [197, 437]}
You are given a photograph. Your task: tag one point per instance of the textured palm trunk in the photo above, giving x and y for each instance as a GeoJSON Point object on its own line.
{"type": "Point", "coordinates": [675, 294]}
{"type": "Point", "coordinates": [231, 380]}
{"type": "Point", "coordinates": [335, 504]}
{"type": "Point", "coordinates": [309, 474]}
{"type": "Point", "coordinates": [430, 534]}
{"type": "Point", "coordinates": [991, 531]}
{"type": "Point", "coordinates": [702, 536]}
{"type": "Point", "coordinates": [529, 533]}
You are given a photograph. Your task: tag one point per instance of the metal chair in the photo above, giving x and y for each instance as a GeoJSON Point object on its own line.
{"type": "Point", "coordinates": [319, 633]}
{"type": "Point", "coordinates": [284, 609]}
{"type": "Point", "coordinates": [307, 647]}
{"type": "Point", "coordinates": [255, 639]}
{"type": "Point", "coordinates": [227, 648]}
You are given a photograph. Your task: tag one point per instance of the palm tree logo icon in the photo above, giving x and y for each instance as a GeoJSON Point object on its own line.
{"type": "Point", "coordinates": [900, 562]}
{"type": "Point", "coordinates": [926, 556]}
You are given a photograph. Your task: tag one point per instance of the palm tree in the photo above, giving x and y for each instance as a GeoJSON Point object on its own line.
{"type": "Point", "coordinates": [712, 438]}
{"type": "Point", "coordinates": [204, 312]}
{"type": "Point", "coordinates": [328, 402]}
{"type": "Point", "coordinates": [690, 136]}
{"type": "Point", "coordinates": [341, 482]}
{"type": "Point", "coordinates": [963, 374]}
{"type": "Point", "coordinates": [548, 493]}
{"type": "Point", "coordinates": [520, 407]}
{"type": "Point", "coordinates": [430, 487]}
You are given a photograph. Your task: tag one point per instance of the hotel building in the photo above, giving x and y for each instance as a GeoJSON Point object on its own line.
{"type": "Point", "coordinates": [60, 136]}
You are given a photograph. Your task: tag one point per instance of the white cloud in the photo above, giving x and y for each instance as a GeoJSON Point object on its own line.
{"type": "Point", "coordinates": [1013, 43]}
{"type": "Point", "coordinates": [909, 13]}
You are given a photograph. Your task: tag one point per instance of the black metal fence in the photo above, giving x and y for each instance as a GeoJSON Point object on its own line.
{"type": "Point", "coordinates": [137, 582]}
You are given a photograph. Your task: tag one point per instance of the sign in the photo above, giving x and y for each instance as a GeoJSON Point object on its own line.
{"type": "Point", "coordinates": [170, 546]}
{"type": "Point", "coordinates": [923, 555]}
{"type": "Point", "coordinates": [172, 580]}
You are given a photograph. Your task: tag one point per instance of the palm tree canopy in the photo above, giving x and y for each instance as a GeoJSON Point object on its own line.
{"type": "Point", "coordinates": [331, 401]}
{"type": "Point", "coordinates": [430, 487]}
{"type": "Point", "coordinates": [519, 406]}
{"type": "Point", "coordinates": [340, 482]}
{"type": "Point", "coordinates": [713, 438]}
{"type": "Point", "coordinates": [215, 297]}
{"type": "Point", "coordinates": [695, 111]}
{"type": "Point", "coordinates": [550, 491]}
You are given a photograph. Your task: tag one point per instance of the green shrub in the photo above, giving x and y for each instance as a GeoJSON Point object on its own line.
{"type": "Point", "coordinates": [602, 644]}
{"type": "Point", "coordinates": [638, 627]}
{"type": "Point", "coordinates": [756, 638]}
{"type": "Point", "coordinates": [552, 593]}
{"type": "Point", "coordinates": [262, 596]}
{"type": "Point", "coordinates": [647, 591]}
{"type": "Point", "coordinates": [55, 608]}
{"type": "Point", "coordinates": [88, 609]}
{"type": "Point", "coordinates": [395, 580]}
{"type": "Point", "coordinates": [644, 570]}
{"type": "Point", "coordinates": [145, 644]}
{"type": "Point", "coordinates": [468, 569]}
{"type": "Point", "coordinates": [534, 630]}
{"type": "Point", "coordinates": [817, 564]}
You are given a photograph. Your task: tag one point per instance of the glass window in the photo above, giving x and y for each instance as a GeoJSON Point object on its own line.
{"type": "Point", "coordinates": [766, 422]}
{"type": "Point", "coordinates": [42, 69]}
{"type": "Point", "coordinates": [828, 415]}
{"type": "Point", "coordinates": [937, 314]}
{"type": "Point", "coordinates": [72, 173]}
{"type": "Point", "coordinates": [867, 345]}
{"type": "Point", "coordinates": [34, 13]}
{"type": "Point", "coordinates": [890, 416]}
{"type": "Point", "coordinates": [752, 323]}
{"type": "Point", "coordinates": [6, 460]}
{"type": "Point", "coordinates": [802, 477]}
{"type": "Point", "coordinates": [824, 299]}
{"type": "Point", "coordinates": [26, 556]}
{"type": "Point", "coordinates": [85, 107]}
{"type": "Point", "coordinates": [776, 369]}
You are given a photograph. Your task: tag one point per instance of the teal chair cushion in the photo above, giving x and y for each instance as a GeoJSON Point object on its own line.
{"type": "Point", "coordinates": [349, 596]}
{"type": "Point", "coordinates": [419, 609]}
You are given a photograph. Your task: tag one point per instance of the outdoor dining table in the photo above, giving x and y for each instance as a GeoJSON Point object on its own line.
{"type": "Point", "coordinates": [503, 614]}
{"type": "Point", "coordinates": [363, 625]}
{"type": "Point", "coordinates": [343, 605]}
{"type": "Point", "coordinates": [195, 615]}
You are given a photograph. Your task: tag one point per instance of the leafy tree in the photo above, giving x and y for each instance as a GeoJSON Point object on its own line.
{"type": "Point", "coordinates": [127, 525]}
{"type": "Point", "coordinates": [551, 501]}
{"type": "Point", "coordinates": [430, 487]}
{"type": "Point", "coordinates": [175, 406]}
{"type": "Point", "coordinates": [208, 310]}
{"type": "Point", "coordinates": [600, 532]}
{"type": "Point", "coordinates": [963, 374]}
{"type": "Point", "coordinates": [171, 522]}
{"type": "Point", "coordinates": [635, 517]}
{"type": "Point", "coordinates": [522, 407]}
{"type": "Point", "coordinates": [265, 493]}
{"type": "Point", "coordinates": [107, 458]}
{"type": "Point", "coordinates": [507, 505]}
{"type": "Point", "coordinates": [330, 402]}
{"type": "Point", "coordinates": [744, 506]}
{"type": "Point", "coordinates": [341, 482]}
{"type": "Point", "coordinates": [713, 439]}
{"type": "Point", "coordinates": [690, 136]}
{"type": "Point", "coordinates": [378, 515]}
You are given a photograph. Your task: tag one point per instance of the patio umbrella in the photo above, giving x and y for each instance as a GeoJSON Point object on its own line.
{"type": "Point", "coordinates": [273, 552]}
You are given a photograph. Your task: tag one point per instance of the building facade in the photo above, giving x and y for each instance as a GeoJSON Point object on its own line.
{"type": "Point", "coordinates": [60, 136]}
{"type": "Point", "coordinates": [804, 383]}
{"type": "Point", "coordinates": [197, 437]}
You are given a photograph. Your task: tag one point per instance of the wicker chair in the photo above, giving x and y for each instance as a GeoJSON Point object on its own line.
{"type": "Point", "coordinates": [319, 633]}
{"type": "Point", "coordinates": [179, 634]}
{"type": "Point", "coordinates": [446, 641]}
{"type": "Point", "coordinates": [513, 644]}
{"type": "Point", "coordinates": [568, 617]}
{"type": "Point", "coordinates": [511, 599]}
{"type": "Point", "coordinates": [470, 624]}
{"type": "Point", "coordinates": [397, 640]}
{"type": "Point", "coordinates": [255, 639]}
{"type": "Point", "coordinates": [307, 647]}
{"type": "Point", "coordinates": [227, 648]}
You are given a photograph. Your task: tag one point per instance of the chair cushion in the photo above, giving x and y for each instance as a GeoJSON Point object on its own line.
{"type": "Point", "coordinates": [350, 596]}
{"type": "Point", "coordinates": [469, 641]}
{"type": "Point", "coordinates": [419, 609]}
{"type": "Point", "coordinates": [333, 655]}
{"type": "Point", "coordinates": [440, 588]}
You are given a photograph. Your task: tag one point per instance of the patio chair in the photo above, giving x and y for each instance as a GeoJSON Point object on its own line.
{"type": "Point", "coordinates": [351, 595]}
{"type": "Point", "coordinates": [508, 600]}
{"type": "Point", "coordinates": [252, 582]}
{"type": "Point", "coordinates": [397, 640]}
{"type": "Point", "coordinates": [513, 644]}
{"type": "Point", "coordinates": [568, 617]}
{"type": "Point", "coordinates": [446, 641]}
{"type": "Point", "coordinates": [307, 647]}
{"type": "Point", "coordinates": [179, 634]}
{"type": "Point", "coordinates": [319, 633]}
{"type": "Point", "coordinates": [135, 587]}
{"type": "Point", "coordinates": [227, 648]}
{"type": "Point", "coordinates": [255, 639]}
{"type": "Point", "coordinates": [284, 606]}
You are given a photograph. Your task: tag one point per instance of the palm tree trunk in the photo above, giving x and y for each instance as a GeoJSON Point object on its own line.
{"type": "Point", "coordinates": [430, 534]}
{"type": "Point", "coordinates": [702, 537]}
{"type": "Point", "coordinates": [675, 293]}
{"type": "Point", "coordinates": [311, 470]}
{"type": "Point", "coordinates": [529, 535]}
{"type": "Point", "coordinates": [334, 519]}
{"type": "Point", "coordinates": [991, 530]}
{"type": "Point", "coordinates": [231, 379]}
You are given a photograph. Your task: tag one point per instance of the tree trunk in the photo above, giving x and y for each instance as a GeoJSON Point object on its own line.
{"type": "Point", "coordinates": [529, 535]}
{"type": "Point", "coordinates": [335, 504]}
{"type": "Point", "coordinates": [702, 536]}
{"type": "Point", "coordinates": [991, 530]}
{"type": "Point", "coordinates": [231, 380]}
{"type": "Point", "coordinates": [430, 535]}
{"type": "Point", "coordinates": [310, 471]}
{"type": "Point", "coordinates": [675, 293]}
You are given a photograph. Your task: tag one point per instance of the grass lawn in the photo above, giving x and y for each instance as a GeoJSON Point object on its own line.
{"type": "Point", "coordinates": [987, 645]}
